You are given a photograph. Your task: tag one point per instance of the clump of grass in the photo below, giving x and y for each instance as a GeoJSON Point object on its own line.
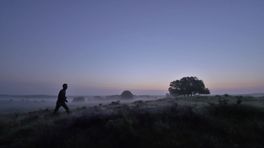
{"type": "Point", "coordinates": [239, 100]}
{"type": "Point", "coordinates": [223, 101]}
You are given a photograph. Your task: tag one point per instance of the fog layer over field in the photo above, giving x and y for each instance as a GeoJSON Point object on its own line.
{"type": "Point", "coordinates": [26, 103]}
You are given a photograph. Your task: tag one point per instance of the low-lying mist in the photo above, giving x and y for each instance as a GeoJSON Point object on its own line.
{"type": "Point", "coordinates": [26, 103]}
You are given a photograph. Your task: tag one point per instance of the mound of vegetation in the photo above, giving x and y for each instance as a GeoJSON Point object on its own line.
{"type": "Point", "coordinates": [217, 126]}
{"type": "Point", "coordinates": [127, 94]}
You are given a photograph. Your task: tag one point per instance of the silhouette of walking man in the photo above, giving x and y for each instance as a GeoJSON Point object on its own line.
{"type": "Point", "coordinates": [62, 99]}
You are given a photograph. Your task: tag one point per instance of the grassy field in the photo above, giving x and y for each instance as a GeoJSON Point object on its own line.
{"type": "Point", "coordinates": [185, 122]}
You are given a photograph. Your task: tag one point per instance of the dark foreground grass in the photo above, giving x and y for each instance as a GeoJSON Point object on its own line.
{"type": "Point", "coordinates": [216, 126]}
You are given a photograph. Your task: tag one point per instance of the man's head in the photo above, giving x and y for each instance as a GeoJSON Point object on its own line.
{"type": "Point", "coordinates": [65, 86]}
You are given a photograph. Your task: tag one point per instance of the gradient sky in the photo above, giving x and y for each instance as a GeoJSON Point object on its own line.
{"type": "Point", "coordinates": [104, 47]}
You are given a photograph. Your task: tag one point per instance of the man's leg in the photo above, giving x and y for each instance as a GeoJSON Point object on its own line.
{"type": "Point", "coordinates": [64, 105]}
{"type": "Point", "coordinates": [56, 108]}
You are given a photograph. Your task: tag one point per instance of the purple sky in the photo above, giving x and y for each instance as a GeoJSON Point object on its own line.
{"type": "Point", "coordinates": [104, 47]}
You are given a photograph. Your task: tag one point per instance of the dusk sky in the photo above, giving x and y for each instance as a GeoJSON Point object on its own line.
{"type": "Point", "coordinates": [101, 47]}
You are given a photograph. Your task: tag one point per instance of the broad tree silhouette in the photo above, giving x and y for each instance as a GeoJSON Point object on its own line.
{"type": "Point", "coordinates": [188, 86]}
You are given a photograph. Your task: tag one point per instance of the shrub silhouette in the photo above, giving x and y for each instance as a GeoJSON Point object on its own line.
{"type": "Point", "coordinates": [188, 86]}
{"type": "Point", "coordinates": [127, 94]}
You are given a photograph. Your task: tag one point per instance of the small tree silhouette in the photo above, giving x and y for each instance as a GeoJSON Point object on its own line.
{"type": "Point", "coordinates": [188, 86]}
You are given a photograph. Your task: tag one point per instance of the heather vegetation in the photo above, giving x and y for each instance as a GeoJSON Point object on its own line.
{"type": "Point", "coordinates": [169, 122]}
